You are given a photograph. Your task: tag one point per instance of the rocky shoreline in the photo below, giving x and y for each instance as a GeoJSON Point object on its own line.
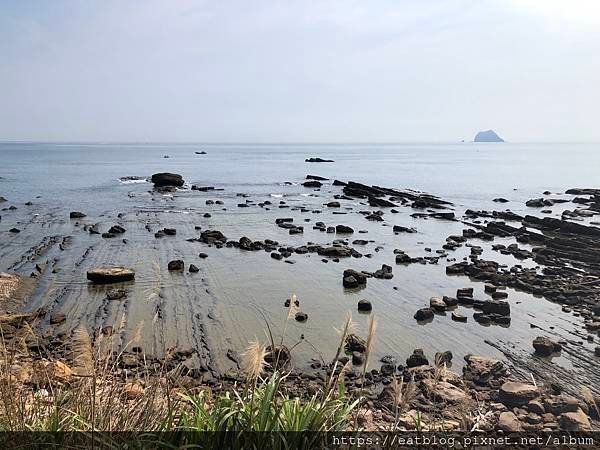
{"type": "Point", "coordinates": [565, 269]}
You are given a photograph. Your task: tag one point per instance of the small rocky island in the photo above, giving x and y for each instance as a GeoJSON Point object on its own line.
{"type": "Point", "coordinates": [487, 136]}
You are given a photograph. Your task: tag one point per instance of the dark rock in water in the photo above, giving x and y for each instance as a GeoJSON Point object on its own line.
{"type": "Point", "coordinates": [200, 153]}
{"type": "Point", "coordinates": [401, 229]}
{"type": "Point", "coordinates": [167, 179]}
{"type": "Point", "coordinates": [312, 184]}
{"type": "Point", "coordinates": [357, 359]}
{"type": "Point", "coordinates": [316, 177]}
{"type": "Point", "coordinates": [117, 229]}
{"type": "Point", "coordinates": [193, 269]}
{"type": "Point", "coordinates": [202, 188]}
{"type": "Point", "coordinates": [417, 359]}
{"type": "Point", "coordinates": [2, 199]}
{"type": "Point", "coordinates": [110, 274]}
{"type": "Point", "coordinates": [277, 256]}
{"type": "Point", "coordinates": [384, 273]}
{"type": "Point", "coordinates": [355, 343]}
{"type": "Point", "coordinates": [536, 203]}
{"type": "Point", "coordinates": [343, 229]}
{"type": "Point", "coordinates": [333, 205]}
{"type": "Point", "coordinates": [364, 305]}
{"type": "Point", "coordinates": [14, 230]}
{"type": "Point", "coordinates": [203, 255]}
{"type": "Point", "coordinates": [496, 307]}
{"type": "Point", "coordinates": [338, 183]}
{"type": "Point", "coordinates": [380, 203]}
{"type": "Point", "coordinates": [459, 317]}
{"type": "Point", "coordinates": [500, 200]}
{"type": "Point", "coordinates": [318, 160]}
{"type": "Point", "coordinates": [212, 236]}
{"type": "Point", "coordinates": [487, 136]}
{"type": "Point", "coordinates": [108, 235]}
{"type": "Point", "coordinates": [177, 264]}
{"type": "Point", "coordinates": [424, 314]}
{"type": "Point", "coordinates": [545, 347]}
{"type": "Point", "coordinates": [116, 294]}
{"type": "Point", "coordinates": [169, 231]}
{"type": "Point", "coordinates": [76, 215]}
{"type": "Point", "coordinates": [301, 316]}
{"type": "Point", "coordinates": [353, 279]}
{"type": "Point", "coordinates": [288, 302]}
{"type": "Point", "coordinates": [450, 301]}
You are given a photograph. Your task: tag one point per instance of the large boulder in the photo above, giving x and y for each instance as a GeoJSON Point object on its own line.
{"type": "Point", "coordinates": [514, 393]}
{"type": "Point", "coordinates": [110, 274]}
{"type": "Point", "coordinates": [167, 179]}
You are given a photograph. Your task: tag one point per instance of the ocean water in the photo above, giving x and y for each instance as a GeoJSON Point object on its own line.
{"type": "Point", "coordinates": [236, 292]}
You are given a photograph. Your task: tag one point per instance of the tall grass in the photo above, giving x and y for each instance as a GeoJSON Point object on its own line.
{"type": "Point", "coordinates": [41, 393]}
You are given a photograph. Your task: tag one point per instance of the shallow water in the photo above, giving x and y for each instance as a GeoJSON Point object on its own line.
{"type": "Point", "coordinates": [235, 292]}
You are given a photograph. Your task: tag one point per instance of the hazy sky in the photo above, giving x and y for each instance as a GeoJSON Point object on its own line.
{"type": "Point", "coordinates": [254, 70]}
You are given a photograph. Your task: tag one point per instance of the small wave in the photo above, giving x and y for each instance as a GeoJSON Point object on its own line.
{"type": "Point", "coordinates": [276, 195]}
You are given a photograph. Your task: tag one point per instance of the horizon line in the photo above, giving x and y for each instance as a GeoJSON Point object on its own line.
{"type": "Point", "coordinates": [219, 143]}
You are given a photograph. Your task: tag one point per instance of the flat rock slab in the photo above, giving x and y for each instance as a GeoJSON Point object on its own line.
{"type": "Point", "coordinates": [110, 274]}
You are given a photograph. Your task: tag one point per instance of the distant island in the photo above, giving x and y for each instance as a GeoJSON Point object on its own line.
{"type": "Point", "coordinates": [487, 136]}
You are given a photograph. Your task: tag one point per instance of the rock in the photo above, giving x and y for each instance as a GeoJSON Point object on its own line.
{"type": "Point", "coordinates": [535, 203]}
{"type": "Point", "coordinates": [288, 301]}
{"type": "Point", "coordinates": [133, 391]}
{"type": "Point", "coordinates": [482, 370]}
{"type": "Point", "coordinates": [116, 294]}
{"type": "Point", "coordinates": [277, 256]}
{"type": "Point", "coordinates": [357, 359]}
{"type": "Point", "coordinates": [170, 231]}
{"type": "Point", "coordinates": [496, 307]}
{"type": "Point", "coordinates": [14, 230]}
{"type": "Point", "coordinates": [384, 273]}
{"type": "Point", "coordinates": [355, 343]}
{"type": "Point", "coordinates": [575, 421]}
{"type": "Point", "coordinates": [318, 160]}
{"type": "Point", "coordinates": [110, 274]}
{"type": "Point", "coordinates": [57, 318]}
{"type": "Point", "coordinates": [450, 301]}
{"type": "Point", "coordinates": [424, 314]}
{"type": "Point", "coordinates": [458, 317]}
{"type": "Point", "coordinates": [76, 215]}
{"type": "Point", "coordinates": [417, 359]}
{"type": "Point", "coordinates": [312, 184]}
{"type": "Point", "coordinates": [545, 346]}
{"type": "Point", "coordinates": [301, 316]}
{"type": "Point", "coordinates": [353, 279]}
{"type": "Point", "coordinates": [514, 393]}
{"type": "Point", "coordinates": [536, 407]}
{"type": "Point", "coordinates": [509, 423]}
{"type": "Point", "coordinates": [364, 305]}
{"type": "Point", "coordinates": [443, 358]}
{"type": "Point", "coordinates": [437, 304]}
{"type": "Point", "coordinates": [500, 200]}
{"type": "Point", "coordinates": [167, 179]}
{"type": "Point", "coordinates": [444, 391]}
{"type": "Point", "coordinates": [117, 229]}
{"type": "Point", "coordinates": [487, 136]}
{"type": "Point", "coordinates": [193, 269]}
{"type": "Point", "coordinates": [343, 229]}
{"type": "Point", "coordinates": [333, 205]}
{"type": "Point", "coordinates": [401, 229]}
{"type": "Point", "coordinates": [177, 264]}
{"type": "Point", "coordinates": [203, 255]}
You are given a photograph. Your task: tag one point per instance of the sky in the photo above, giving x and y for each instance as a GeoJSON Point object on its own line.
{"type": "Point", "coordinates": [299, 71]}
